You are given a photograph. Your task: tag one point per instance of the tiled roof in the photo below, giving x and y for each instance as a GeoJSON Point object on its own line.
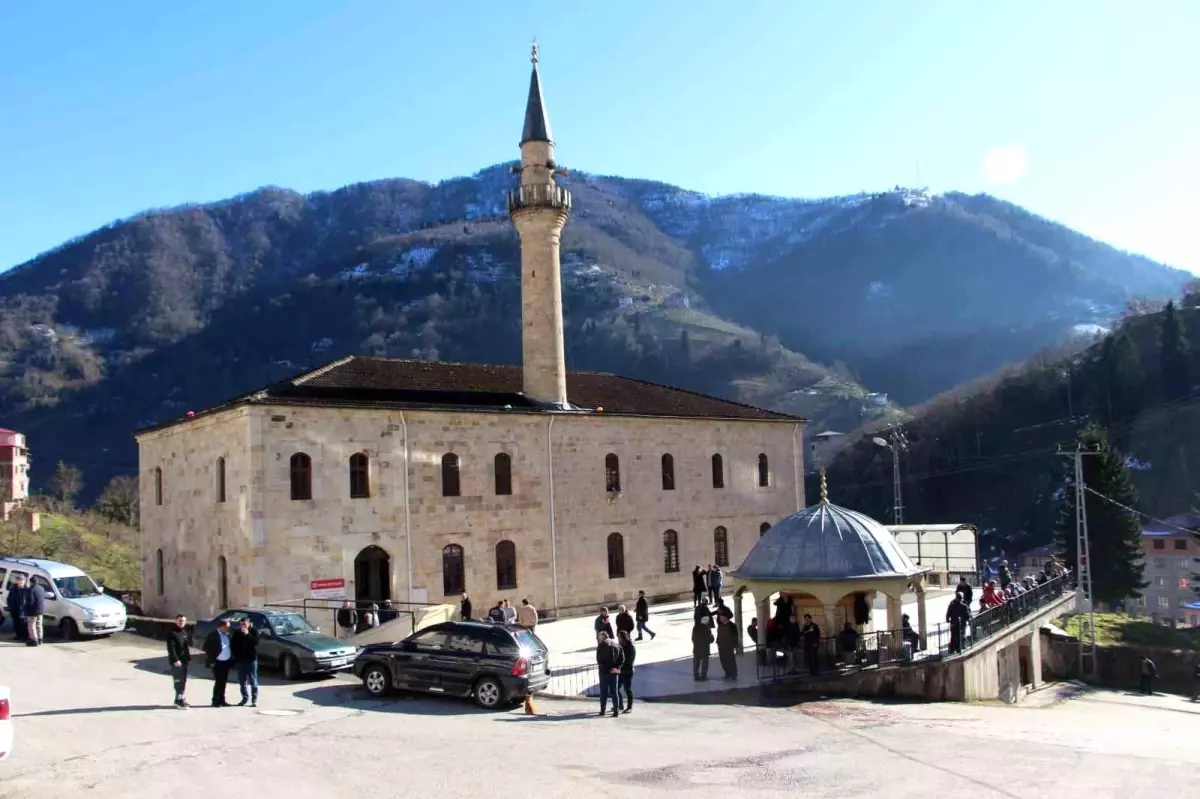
{"type": "Point", "coordinates": [363, 382]}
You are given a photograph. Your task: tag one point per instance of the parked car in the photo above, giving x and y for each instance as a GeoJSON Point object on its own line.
{"type": "Point", "coordinates": [6, 725]}
{"type": "Point", "coordinates": [490, 663]}
{"type": "Point", "coordinates": [75, 605]}
{"type": "Point", "coordinates": [286, 642]}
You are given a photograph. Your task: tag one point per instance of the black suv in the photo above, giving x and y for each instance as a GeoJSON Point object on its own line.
{"type": "Point", "coordinates": [492, 663]}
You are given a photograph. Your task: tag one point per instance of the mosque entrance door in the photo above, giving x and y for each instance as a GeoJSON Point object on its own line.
{"type": "Point", "coordinates": [372, 575]}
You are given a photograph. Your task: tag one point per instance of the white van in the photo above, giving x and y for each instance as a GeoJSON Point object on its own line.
{"type": "Point", "coordinates": [75, 605]}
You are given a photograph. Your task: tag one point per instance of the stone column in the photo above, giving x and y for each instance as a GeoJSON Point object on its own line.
{"type": "Point", "coordinates": [764, 613]}
{"type": "Point", "coordinates": [831, 628]}
{"type": "Point", "coordinates": [737, 621]}
{"type": "Point", "coordinates": [895, 608]}
{"type": "Point", "coordinates": [922, 624]}
{"type": "Point", "coordinates": [1035, 660]}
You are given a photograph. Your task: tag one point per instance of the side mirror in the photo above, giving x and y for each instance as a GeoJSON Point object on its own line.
{"type": "Point", "coordinates": [408, 646]}
{"type": "Point", "coordinates": [51, 595]}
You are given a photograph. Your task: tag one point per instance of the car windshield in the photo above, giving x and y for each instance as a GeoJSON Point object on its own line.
{"type": "Point", "coordinates": [290, 624]}
{"type": "Point", "coordinates": [76, 587]}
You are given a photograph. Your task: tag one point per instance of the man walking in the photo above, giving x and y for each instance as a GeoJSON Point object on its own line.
{"type": "Point", "coordinates": [726, 641]}
{"type": "Point", "coordinates": [527, 615]}
{"type": "Point", "coordinates": [18, 599]}
{"type": "Point", "coordinates": [219, 657]}
{"type": "Point", "coordinates": [244, 646]}
{"type": "Point", "coordinates": [641, 614]}
{"type": "Point", "coordinates": [609, 659]}
{"type": "Point", "coordinates": [179, 655]}
{"type": "Point", "coordinates": [35, 606]}
{"type": "Point", "coordinates": [702, 639]}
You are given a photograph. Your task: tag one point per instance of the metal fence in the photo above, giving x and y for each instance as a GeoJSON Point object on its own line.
{"type": "Point", "coordinates": [581, 680]}
{"type": "Point", "coordinates": [323, 613]}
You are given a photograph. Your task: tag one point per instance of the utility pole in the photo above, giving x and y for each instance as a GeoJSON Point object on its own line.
{"type": "Point", "coordinates": [1087, 626]}
{"type": "Point", "coordinates": [897, 442]}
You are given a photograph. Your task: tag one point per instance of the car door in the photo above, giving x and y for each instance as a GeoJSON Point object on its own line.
{"type": "Point", "coordinates": [54, 610]}
{"type": "Point", "coordinates": [464, 657]}
{"type": "Point", "coordinates": [414, 662]}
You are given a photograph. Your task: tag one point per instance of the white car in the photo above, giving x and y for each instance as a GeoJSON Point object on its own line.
{"type": "Point", "coordinates": [6, 725]}
{"type": "Point", "coordinates": [75, 605]}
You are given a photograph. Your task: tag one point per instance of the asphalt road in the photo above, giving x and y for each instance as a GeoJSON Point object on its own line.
{"type": "Point", "coordinates": [95, 717]}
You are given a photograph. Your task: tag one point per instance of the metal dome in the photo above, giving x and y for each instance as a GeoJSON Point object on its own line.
{"type": "Point", "coordinates": [826, 542]}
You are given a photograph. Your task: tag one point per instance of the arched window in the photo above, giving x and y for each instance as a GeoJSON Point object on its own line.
{"type": "Point", "coordinates": [222, 583]}
{"type": "Point", "coordinates": [762, 529]}
{"type": "Point", "coordinates": [506, 566]}
{"type": "Point", "coordinates": [721, 547]}
{"type": "Point", "coordinates": [221, 479]}
{"type": "Point", "coordinates": [158, 571]}
{"type": "Point", "coordinates": [503, 468]}
{"type": "Point", "coordinates": [612, 473]}
{"type": "Point", "coordinates": [668, 473]}
{"type": "Point", "coordinates": [670, 552]}
{"type": "Point", "coordinates": [360, 476]}
{"type": "Point", "coordinates": [453, 578]}
{"type": "Point", "coordinates": [764, 471]}
{"type": "Point", "coordinates": [450, 482]}
{"type": "Point", "coordinates": [616, 556]}
{"type": "Point", "coordinates": [157, 485]}
{"type": "Point", "coordinates": [718, 471]}
{"type": "Point", "coordinates": [300, 468]}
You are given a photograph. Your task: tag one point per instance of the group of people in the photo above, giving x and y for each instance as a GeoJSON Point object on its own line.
{"type": "Point", "coordinates": [706, 582]}
{"type": "Point", "coordinates": [224, 650]}
{"type": "Point", "coordinates": [958, 613]}
{"type": "Point", "coordinates": [504, 613]}
{"type": "Point", "coordinates": [26, 604]}
{"type": "Point", "coordinates": [616, 654]}
{"type": "Point", "coordinates": [713, 624]}
{"type": "Point", "coordinates": [351, 622]}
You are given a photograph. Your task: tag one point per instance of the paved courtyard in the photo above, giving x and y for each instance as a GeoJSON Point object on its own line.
{"type": "Point", "coordinates": [92, 717]}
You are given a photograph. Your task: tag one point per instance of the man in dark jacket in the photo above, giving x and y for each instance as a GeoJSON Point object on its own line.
{"type": "Point", "coordinates": [603, 625]}
{"type": "Point", "coordinates": [347, 618]}
{"type": "Point", "coordinates": [244, 646]}
{"type": "Point", "coordinates": [957, 615]}
{"type": "Point", "coordinates": [18, 598]}
{"type": "Point", "coordinates": [609, 659]}
{"type": "Point", "coordinates": [965, 589]}
{"type": "Point", "coordinates": [726, 642]}
{"type": "Point", "coordinates": [641, 614]}
{"type": "Point", "coordinates": [179, 655]}
{"type": "Point", "coordinates": [35, 607]}
{"type": "Point", "coordinates": [810, 637]}
{"type": "Point", "coordinates": [464, 608]}
{"type": "Point", "coordinates": [218, 655]}
{"type": "Point", "coordinates": [625, 678]}
{"type": "Point", "coordinates": [1149, 672]}
{"type": "Point", "coordinates": [702, 638]}
{"type": "Point", "coordinates": [699, 586]}
{"type": "Point", "coordinates": [624, 620]}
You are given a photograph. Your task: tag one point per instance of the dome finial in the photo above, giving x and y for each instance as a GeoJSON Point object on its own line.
{"type": "Point", "coordinates": [533, 54]}
{"type": "Point", "coordinates": [824, 486]}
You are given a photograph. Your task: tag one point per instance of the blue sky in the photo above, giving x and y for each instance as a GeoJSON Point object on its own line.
{"type": "Point", "coordinates": [1084, 112]}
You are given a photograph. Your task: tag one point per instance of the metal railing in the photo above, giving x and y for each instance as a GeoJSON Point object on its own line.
{"type": "Point", "coordinates": [539, 195]}
{"type": "Point", "coordinates": [322, 612]}
{"type": "Point", "coordinates": [581, 680]}
{"type": "Point", "coordinates": [831, 656]}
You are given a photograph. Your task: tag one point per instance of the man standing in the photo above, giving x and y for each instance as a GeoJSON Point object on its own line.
{"type": "Point", "coordinates": [18, 598]}
{"type": "Point", "coordinates": [726, 641]}
{"type": "Point", "coordinates": [179, 655]}
{"type": "Point", "coordinates": [219, 657]}
{"type": "Point", "coordinates": [510, 613]}
{"type": "Point", "coordinates": [244, 646]}
{"type": "Point", "coordinates": [715, 578]}
{"type": "Point", "coordinates": [702, 639]}
{"type": "Point", "coordinates": [347, 618]}
{"type": "Point", "coordinates": [35, 606]}
{"type": "Point", "coordinates": [957, 615]}
{"type": "Point", "coordinates": [603, 625]}
{"type": "Point", "coordinates": [609, 659]}
{"type": "Point", "coordinates": [624, 620]}
{"type": "Point", "coordinates": [464, 608]}
{"type": "Point", "coordinates": [1149, 672]}
{"type": "Point", "coordinates": [527, 615]}
{"type": "Point", "coordinates": [810, 636]}
{"type": "Point", "coordinates": [965, 589]}
{"type": "Point", "coordinates": [641, 613]}
{"type": "Point", "coordinates": [699, 586]}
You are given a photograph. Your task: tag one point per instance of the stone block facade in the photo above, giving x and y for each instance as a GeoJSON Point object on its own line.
{"type": "Point", "coordinates": [259, 545]}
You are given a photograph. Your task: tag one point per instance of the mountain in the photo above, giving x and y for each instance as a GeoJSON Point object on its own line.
{"type": "Point", "coordinates": [903, 291]}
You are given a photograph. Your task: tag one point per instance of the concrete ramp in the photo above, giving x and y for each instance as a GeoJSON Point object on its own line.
{"type": "Point", "coordinates": [403, 626]}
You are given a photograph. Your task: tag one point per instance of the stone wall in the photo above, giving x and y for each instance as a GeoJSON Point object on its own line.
{"type": "Point", "coordinates": [1120, 666]}
{"type": "Point", "coordinates": [275, 546]}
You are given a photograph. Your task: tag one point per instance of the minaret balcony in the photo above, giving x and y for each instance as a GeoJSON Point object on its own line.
{"type": "Point", "coordinates": [539, 195]}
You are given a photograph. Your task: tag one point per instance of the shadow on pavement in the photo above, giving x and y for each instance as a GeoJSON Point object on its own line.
{"type": "Point", "coordinates": [75, 711]}
{"type": "Point", "coordinates": [354, 697]}
{"type": "Point", "coordinates": [198, 672]}
{"type": "Point", "coordinates": [572, 716]}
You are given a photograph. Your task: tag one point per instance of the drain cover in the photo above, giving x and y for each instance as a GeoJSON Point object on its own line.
{"type": "Point", "coordinates": [279, 712]}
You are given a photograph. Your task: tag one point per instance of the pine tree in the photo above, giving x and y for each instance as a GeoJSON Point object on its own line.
{"type": "Point", "coordinates": [1114, 534]}
{"type": "Point", "coordinates": [1120, 395]}
{"type": "Point", "coordinates": [1176, 374]}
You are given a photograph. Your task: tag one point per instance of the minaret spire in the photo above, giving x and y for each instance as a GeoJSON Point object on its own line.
{"type": "Point", "coordinates": [537, 122]}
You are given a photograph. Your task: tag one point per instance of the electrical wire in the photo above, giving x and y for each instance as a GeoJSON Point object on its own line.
{"type": "Point", "coordinates": [1137, 512]}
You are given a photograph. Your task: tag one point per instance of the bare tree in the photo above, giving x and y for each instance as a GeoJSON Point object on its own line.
{"type": "Point", "coordinates": [66, 483]}
{"type": "Point", "coordinates": [118, 501]}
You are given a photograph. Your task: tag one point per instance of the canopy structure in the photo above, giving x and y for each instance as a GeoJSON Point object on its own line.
{"type": "Point", "coordinates": [828, 559]}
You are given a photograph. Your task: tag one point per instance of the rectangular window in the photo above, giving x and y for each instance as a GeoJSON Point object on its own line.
{"type": "Point", "coordinates": [1158, 543]}
{"type": "Point", "coordinates": [1183, 563]}
{"type": "Point", "coordinates": [1161, 581]}
{"type": "Point", "coordinates": [1160, 563]}
{"type": "Point", "coordinates": [1163, 603]}
{"type": "Point", "coordinates": [1181, 543]}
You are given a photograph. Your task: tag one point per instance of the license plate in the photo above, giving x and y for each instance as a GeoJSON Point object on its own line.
{"type": "Point", "coordinates": [337, 664]}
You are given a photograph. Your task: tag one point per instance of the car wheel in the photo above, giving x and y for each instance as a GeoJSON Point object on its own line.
{"type": "Point", "coordinates": [489, 693]}
{"type": "Point", "coordinates": [68, 629]}
{"type": "Point", "coordinates": [377, 681]}
{"type": "Point", "coordinates": [291, 667]}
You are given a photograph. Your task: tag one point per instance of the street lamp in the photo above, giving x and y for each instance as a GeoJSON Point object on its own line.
{"type": "Point", "coordinates": [897, 443]}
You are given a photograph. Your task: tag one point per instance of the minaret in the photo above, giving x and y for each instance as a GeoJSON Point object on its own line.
{"type": "Point", "coordinates": [539, 209]}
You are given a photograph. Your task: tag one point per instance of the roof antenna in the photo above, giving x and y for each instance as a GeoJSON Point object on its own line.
{"type": "Point", "coordinates": [824, 486]}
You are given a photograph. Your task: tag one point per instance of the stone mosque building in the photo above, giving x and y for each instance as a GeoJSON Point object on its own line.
{"type": "Point", "coordinates": [378, 478]}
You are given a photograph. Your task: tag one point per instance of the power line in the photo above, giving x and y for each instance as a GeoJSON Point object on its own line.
{"type": "Point", "coordinates": [1137, 512]}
